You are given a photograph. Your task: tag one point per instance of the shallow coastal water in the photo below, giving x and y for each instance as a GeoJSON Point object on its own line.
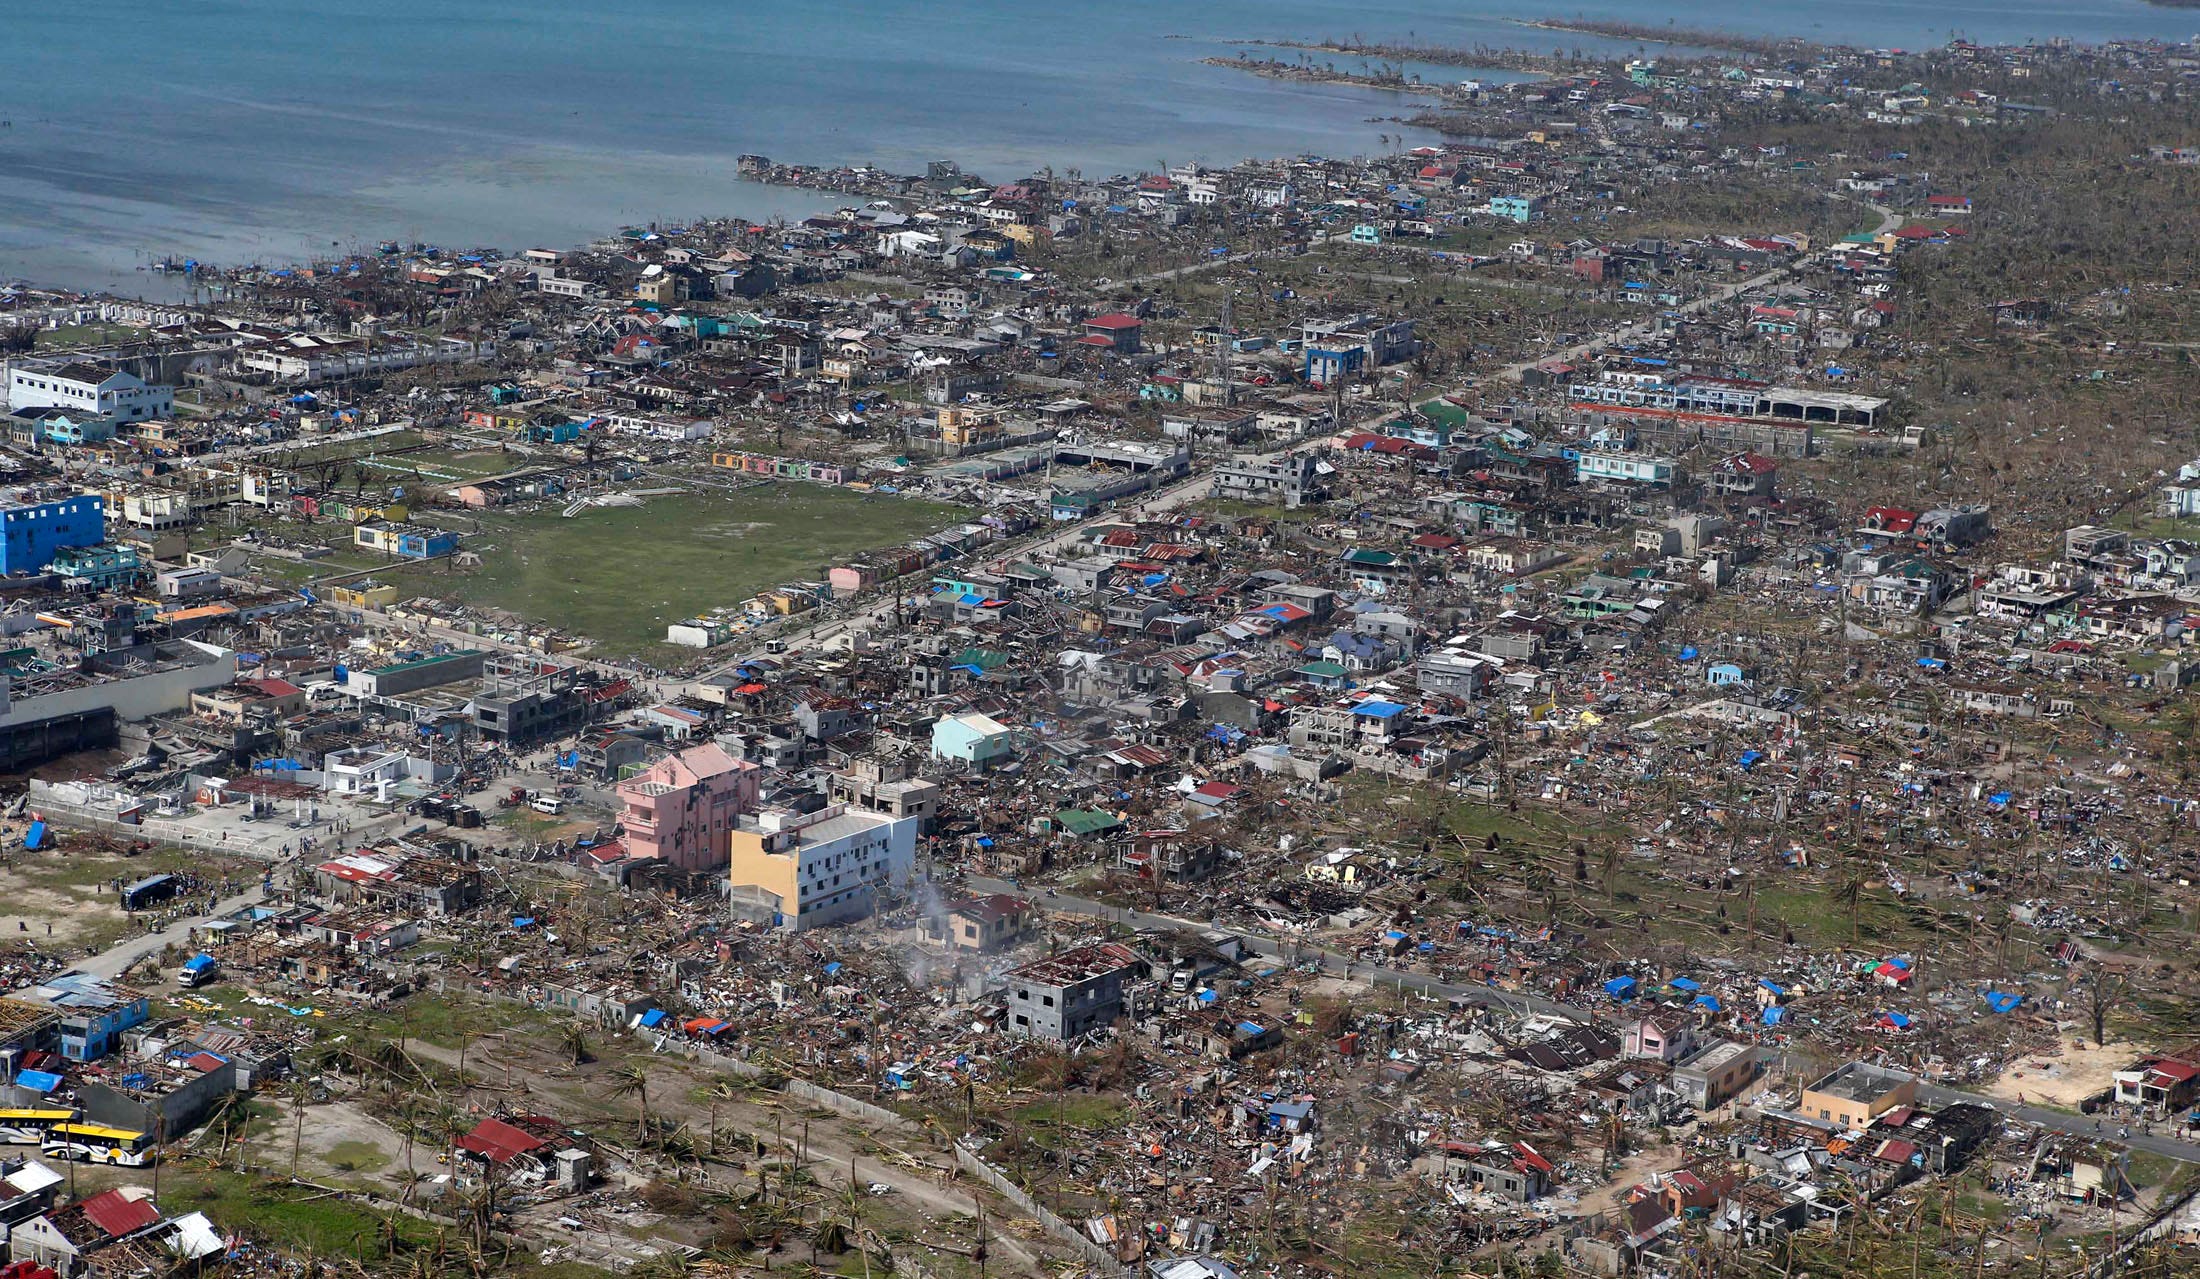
{"type": "Point", "coordinates": [264, 130]}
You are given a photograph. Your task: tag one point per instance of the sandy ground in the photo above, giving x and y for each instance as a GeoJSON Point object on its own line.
{"type": "Point", "coordinates": [2074, 1071]}
{"type": "Point", "coordinates": [1631, 1172]}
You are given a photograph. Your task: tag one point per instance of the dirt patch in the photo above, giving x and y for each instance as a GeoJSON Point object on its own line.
{"type": "Point", "coordinates": [2066, 1075]}
{"type": "Point", "coordinates": [1631, 1172]}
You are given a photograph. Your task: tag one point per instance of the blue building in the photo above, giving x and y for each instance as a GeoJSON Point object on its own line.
{"type": "Point", "coordinates": [35, 531]}
{"type": "Point", "coordinates": [93, 1011]}
{"type": "Point", "coordinates": [1518, 208]}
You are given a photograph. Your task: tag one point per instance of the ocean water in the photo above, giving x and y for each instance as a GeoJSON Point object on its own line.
{"type": "Point", "coordinates": [270, 130]}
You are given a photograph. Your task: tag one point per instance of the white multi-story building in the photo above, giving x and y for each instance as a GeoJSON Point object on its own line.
{"type": "Point", "coordinates": [88, 388]}
{"type": "Point", "coordinates": [818, 869]}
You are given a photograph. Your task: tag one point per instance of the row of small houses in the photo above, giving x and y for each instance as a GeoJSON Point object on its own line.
{"type": "Point", "coordinates": [873, 568]}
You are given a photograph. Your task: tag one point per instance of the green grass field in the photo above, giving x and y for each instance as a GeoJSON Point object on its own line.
{"type": "Point", "coordinates": [622, 574]}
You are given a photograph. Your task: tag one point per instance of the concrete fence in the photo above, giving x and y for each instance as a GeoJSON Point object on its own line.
{"type": "Point", "coordinates": [158, 830]}
{"type": "Point", "coordinates": [1099, 1258]}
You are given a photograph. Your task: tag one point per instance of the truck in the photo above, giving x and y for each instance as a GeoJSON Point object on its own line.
{"type": "Point", "coordinates": [199, 970]}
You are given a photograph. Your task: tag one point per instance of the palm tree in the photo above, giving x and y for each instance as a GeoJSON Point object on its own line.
{"type": "Point", "coordinates": [1850, 895]}
{"type": "Point", "coordinates": [300, 1093]}
{"type": "Point", "coordinates": [633, 1081]}
{"type": "Point", "coordinates": [573, 1042]}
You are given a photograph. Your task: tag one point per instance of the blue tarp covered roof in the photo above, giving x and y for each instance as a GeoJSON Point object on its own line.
{"type": "Point", "coordinates": [653, 1016]}
{"type": "Point", "coordinates": [1775, 1015]}
{"type": "Point", "coordinates": [1620, 987]}
{"type": "Point", "coordinates": [38, 1080]}
{"type": "Point", "coordinates": [1377, 710]}
{"type": "Point", "coordinates": [1708, 1001]}
{"type": "Point", "coordinates": [1687, 983]}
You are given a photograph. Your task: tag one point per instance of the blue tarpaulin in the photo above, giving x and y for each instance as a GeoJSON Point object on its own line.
{"type": "Point", "coordinates": [2002, 1003]}
{"type": "Point", "coordinates": [38, 1080]}
{"type": "Point", "coordinates": [1772, 986]}
{"type": "Point", "coordinates": [1620, 987]}
{"type": "Point", "coordinates": [523, 921]}
{"type": "Point", "coordinates": [1750, 758]}
{"type": "Point", "coordinates": [198, 963]}
{"type": "Point", "coordinates": [1775, 1015]}
{"type": "Point", "coordinates": [1900, 1021]}
{"type": "Point", "coordinates": [35, 836]}
{"type": "Point", "coordinates": [1687, 983]}
{"type": "Point", "coordinates": [1708, 1001]}
{"type": "Point", "coordinates": [653, 1017]}
{"type": "Point", "coordinates": [1688, 654]}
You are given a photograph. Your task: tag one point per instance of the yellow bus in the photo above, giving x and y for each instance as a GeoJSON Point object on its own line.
{"type": "Point", "coordinates": [98, 1144]}
{"type": "Point", "coordinates": [29, 1127]}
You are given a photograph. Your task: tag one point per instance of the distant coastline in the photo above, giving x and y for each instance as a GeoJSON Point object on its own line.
{"type": "Point", "coordinates": [1694, 37]}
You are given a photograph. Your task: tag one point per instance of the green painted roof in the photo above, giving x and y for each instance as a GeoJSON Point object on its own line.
{"type": "Point", "coordinates": [1085, 821]}
{"type": "Point", "coordinates": [985, 659]}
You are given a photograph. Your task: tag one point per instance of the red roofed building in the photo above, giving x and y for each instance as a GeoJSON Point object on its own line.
{"type": "Point", "coordinates": [1744, 475]}
{"type": "Point", "coordinates": [117, 1214]}
{"type": "Point", "coordinates": [64, 1238]}
{"type": "Point", "coordinates": [1115, 330]}
{"type": "Point", "coordinates": [1891, 520]}
{"type": "Point", "coordinates": [2162, 1084]}
{"type": "Point", "coordinates": [501, 1144]}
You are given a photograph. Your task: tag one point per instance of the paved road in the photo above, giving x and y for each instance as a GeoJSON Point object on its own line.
{"type": "Point", "coordinates": [2057, 1121]}
{"type": "Point", "coordinates": [111, 961]}
{"type": "Point", "coordinates": [1375, 974]}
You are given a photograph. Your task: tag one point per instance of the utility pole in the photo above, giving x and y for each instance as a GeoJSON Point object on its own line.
{"type": "Point", "coordinates": [1225, 341]}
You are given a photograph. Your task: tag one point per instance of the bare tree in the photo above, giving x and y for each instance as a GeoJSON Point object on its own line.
{"type": "Point", "coordinates": [2102, 993]}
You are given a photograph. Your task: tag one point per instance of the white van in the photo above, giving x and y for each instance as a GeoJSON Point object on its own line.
{"type": "Point", "coordinates": [547, 804]}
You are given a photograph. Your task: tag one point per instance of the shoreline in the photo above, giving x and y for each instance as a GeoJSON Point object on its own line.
{"type": "Point", "coordinates": [1277, 69]}
{"type": "Point", "coordinates": [1671, 36]}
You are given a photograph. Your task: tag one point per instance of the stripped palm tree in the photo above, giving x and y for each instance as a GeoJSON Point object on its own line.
{"type": "Point", "coordinates": [633, 1081]}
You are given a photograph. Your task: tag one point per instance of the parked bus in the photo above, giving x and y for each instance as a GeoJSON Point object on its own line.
{"type": "Point", "coordinates": [29, 1127]}
{"type": "Point", "coordinates": [96, 1143]}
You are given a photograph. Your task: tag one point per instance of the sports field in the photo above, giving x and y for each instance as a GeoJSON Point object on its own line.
{"type": "Point", "coordinates": [622, 574]}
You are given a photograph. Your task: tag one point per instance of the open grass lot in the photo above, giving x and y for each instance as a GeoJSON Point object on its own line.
{"type": "Point", "coordinates": [622, 574]}
{"type": "Point", "coordinates": [293, 1216]}
{"type": "Point", "coordinates": [447, 465]}
{"type": "Point", "coordinates": [72, 336]}
{"type": "Point", "coordinates": [65, 888]}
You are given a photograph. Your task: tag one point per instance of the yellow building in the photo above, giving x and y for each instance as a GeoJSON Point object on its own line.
{"type": "Point", "coordinates": [1855, 1094]}
{"type": "Point", "coordinates": [817, 869]}
{"type": "Point", "coordinates": [368, 595]}
{"type": "Point", "coordinates": [961, 425]}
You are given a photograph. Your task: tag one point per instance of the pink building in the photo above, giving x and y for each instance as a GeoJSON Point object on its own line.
{"type": "Point", "coordinates": [683, 808]}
